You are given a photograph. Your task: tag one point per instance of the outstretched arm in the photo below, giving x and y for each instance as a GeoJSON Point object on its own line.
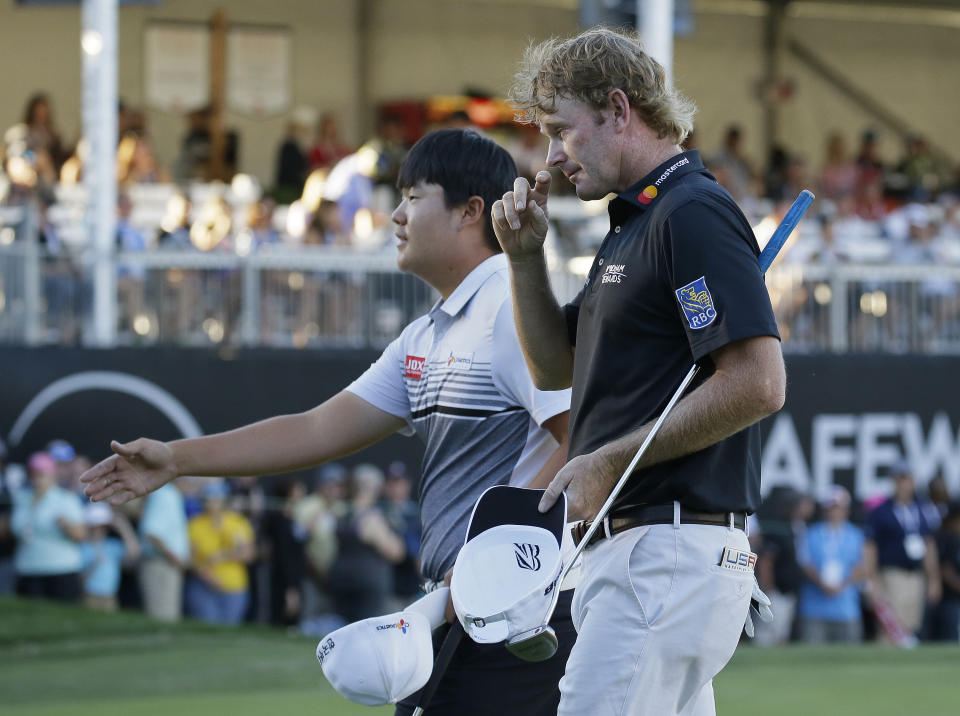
{"type": "Point", "coordinates": [341, 425]}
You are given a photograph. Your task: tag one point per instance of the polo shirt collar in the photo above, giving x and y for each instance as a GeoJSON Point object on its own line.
{"type": "Point", "coordinates": [470, 285]}
{"type": "Point", "coordinates": [644, 192]}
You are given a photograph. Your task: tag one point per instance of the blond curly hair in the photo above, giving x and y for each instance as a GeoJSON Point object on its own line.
{"type": "Point", "coordinates": [587, 67]}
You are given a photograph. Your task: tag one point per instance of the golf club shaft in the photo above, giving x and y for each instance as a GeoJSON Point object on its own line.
{"type": "Point", "coordinates": [775, 243]}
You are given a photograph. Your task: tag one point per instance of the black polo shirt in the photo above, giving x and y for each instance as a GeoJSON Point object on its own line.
{"type": "Point", "coordinates": [675, 278]}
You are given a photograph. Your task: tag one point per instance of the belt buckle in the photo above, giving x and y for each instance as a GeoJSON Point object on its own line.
{"type": "Point", "coordinates": [606, 526]}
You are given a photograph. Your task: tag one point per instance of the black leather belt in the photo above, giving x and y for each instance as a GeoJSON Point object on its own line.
{"type": "Point", "coordinates": [654, 515]}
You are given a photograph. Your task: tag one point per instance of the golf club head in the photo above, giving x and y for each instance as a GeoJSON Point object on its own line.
{"type": "Point", "coordinates": [535, 644]}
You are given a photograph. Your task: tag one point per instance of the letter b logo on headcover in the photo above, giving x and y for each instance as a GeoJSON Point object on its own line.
{"type": "Point", "coordinates": [502, 576]}
{"type": "Point", "coordinates": [526, 555]}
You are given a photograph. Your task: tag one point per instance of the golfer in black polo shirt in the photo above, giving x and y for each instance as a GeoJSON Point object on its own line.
{"type": "Point", "coordinates": [666, 588]}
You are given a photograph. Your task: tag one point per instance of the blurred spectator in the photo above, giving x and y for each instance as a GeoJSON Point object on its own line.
{"type": "Point", "coordinates": [250, 499]}
{"type": "Point", "coordinates": [831, 554]}
{"type": "Point", "coordinates": [221, 542]}
{"type": "Point", "coordinates": [42, 135]}
{"type": "Point", "coordinates": [920, 172]}
{"type": "Point", "coordinates": [939, 495]}
{"type": "Point", "coordinates": [175, 224]}
{"type": "Point", "coordinates": [403, 516]}
{"type": "Point", "coordinates": [868, 159]}
{"type": "Point", "coordinates": [130, 279]}
{"type": "Point", "coordinates": [292, 164]}
{"type": "Point", "coordinates": [328, 148]}
{"type": "Point", "coordinates": [871, 204]}
{"type": "Point", "coordinates": [63, 453]}
{"type": "Point", "coordinates": [350, 185]}
{"type": "Point", "coordinates": [391, 148]}
{"type": "Point", "coordinates": [196, 148]}
{"type": "Point", "coordinates": [48, 524]}
{"type": "Point", "coordinates": [317, 515]}
{"type": "Point", "coordinates": [8, 542]}
{"type": "Point", "coordinates": [731, 168]}
{"type": "Point", "coordinates": [165, 549]}
{"type": "Point", "coordinates": [287, 541]}
{"type": "Point", "coordinates": [361, 576]}
{"type": "Point", "coordinates": [900, 545]}
{"type": "Point", "coordinates": [103, 555]}
{"type": "Point", "coordinates": [783, 519]}
{"type": "Point", "coordinates": [839, 174]}
{"type": "Point", "coordinates": [947, 625]}
{"type": "Point", "coordinates": [137, 163]}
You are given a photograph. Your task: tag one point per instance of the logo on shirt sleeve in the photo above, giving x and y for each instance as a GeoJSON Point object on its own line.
{"type": "Point", "coordinates": [414, 367]}
{"type": "Point", "coordinates": [697, 303]}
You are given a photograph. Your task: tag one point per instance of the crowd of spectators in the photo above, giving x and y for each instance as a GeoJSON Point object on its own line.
{"type": "Point", "coordinates": [842, 571]}
{"type": "Point", "coordinates": [305, 551]}
{"type": "Point", "coordinates": [325, 192]}
{"type": "Point", "coordinates": [314, 551]}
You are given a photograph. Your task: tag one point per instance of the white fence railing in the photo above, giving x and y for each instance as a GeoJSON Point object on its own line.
{"type": "Point", "coordinates": [330, 297]}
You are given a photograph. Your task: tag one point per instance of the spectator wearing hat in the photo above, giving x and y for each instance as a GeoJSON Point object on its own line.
{"type": "Point", "coordinates": [48, 524]}
{"type": "Point", "coordinates": [900, 545]}
{"type": "Point", "coordinates": [165, 553]}
{"type": "Point", "coordinates": [221, 542]}
{"type": "Point", "coordinates": [103, 555]}
{"type": "Point", "coordinates": [403, 516]}
{"type": "Point", "coordinates": [63, 454]}
{"type": "Point", "coordinates": [315, 517]}
{"type": "Point", "coordinates": [361, 576]}
{"type": "Point", "coordinates": [832, 557]}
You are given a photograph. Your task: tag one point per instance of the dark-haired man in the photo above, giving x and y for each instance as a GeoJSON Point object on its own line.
{"type": "Point", "coordinates": [455, 377]}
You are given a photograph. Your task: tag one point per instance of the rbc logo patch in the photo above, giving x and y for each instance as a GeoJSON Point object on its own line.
{"type": "Point", "coordinates": [697, 303]}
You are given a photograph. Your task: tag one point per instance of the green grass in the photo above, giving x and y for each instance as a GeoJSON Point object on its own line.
{"type": "Point", "coordinates": [63, 661]}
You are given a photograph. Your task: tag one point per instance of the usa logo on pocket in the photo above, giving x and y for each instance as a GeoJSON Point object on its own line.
{"type": "Point", "coordinates": [697, 303]}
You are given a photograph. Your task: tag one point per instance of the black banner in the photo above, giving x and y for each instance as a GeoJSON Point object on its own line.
{"type": "Point", "coordinates": [89, 397]}
{"type": "Point", "coordinates": [847, 418]}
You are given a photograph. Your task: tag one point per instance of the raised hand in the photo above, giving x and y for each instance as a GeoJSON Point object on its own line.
{"type": "Point", "coordinates": [136, 469]}
{"type": "Point", "coordinates": [520, 217]}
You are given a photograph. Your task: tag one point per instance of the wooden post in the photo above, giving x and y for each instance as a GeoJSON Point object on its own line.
{"type": "Point", "coordinates": [216, 170]}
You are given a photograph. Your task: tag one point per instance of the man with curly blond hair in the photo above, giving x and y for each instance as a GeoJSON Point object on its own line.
{"type": "Point", "coordinates": [666, 583]}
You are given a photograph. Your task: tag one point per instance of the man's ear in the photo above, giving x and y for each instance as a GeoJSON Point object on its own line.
{"type": "Point", "coordinates": [472, 212]}
{"type": "Point", "coordinates": [620, 107]}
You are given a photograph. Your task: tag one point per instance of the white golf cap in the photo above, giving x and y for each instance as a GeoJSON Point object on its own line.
{"type": "Point", "coordinates": [505, 574]}
{"type": "Point", "coordinates": [382, 660]}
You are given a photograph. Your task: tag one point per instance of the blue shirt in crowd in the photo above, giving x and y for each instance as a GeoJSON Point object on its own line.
{"type": "Point", "coordinates": [834, 554]}
{"type": "Point", "coordinates": [165, 518]}
{"type": "Point", "coordinates": [102, 560]}
{"type": "Point", "coordinates": [43, 549]}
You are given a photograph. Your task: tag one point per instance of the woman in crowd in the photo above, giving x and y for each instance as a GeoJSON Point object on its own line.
{"type": "Point", "coordinates": [48, 523]}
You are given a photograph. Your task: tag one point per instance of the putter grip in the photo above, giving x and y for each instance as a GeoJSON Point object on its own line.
{"type": "Point", "coordinates": [786, 227]}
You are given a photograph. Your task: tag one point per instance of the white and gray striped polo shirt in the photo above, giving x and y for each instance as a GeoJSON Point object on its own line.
{"type": "Point", "coordinates": [458, 377]}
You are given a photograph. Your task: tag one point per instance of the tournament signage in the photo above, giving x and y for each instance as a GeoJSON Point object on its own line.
{"type": "Point", "coordinates": [846, 421]}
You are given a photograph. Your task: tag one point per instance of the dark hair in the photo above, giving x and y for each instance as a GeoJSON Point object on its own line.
{"type": "Point", "coordinates": [32, 103]}
{"type": "Point", "coordinates": [465, 163]}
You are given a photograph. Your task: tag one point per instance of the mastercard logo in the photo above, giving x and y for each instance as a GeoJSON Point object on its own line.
{"type": "Point", "coordinates": [647, 195]}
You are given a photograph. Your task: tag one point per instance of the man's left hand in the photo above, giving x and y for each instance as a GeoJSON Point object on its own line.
{"type": "Point", "coordinates": [587, 480]}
